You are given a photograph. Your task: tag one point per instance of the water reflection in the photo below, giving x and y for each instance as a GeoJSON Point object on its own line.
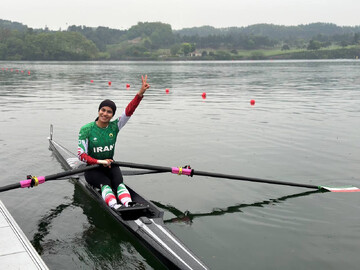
{"type": "Point", "coordinates": [102, 244]}
{"type": "Point", "coordinates": [188, 217]}
{"type": "Point", "coordinates": [44, 227]}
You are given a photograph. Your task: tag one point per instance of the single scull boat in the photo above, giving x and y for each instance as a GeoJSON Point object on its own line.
{"type": "Point", "coordinates": [145, 222]}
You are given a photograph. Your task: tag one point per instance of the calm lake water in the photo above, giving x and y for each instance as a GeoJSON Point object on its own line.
{"type": "Point", "coordinates": [303, 128]}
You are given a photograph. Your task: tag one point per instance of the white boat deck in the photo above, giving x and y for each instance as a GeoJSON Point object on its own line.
{"type": "Point", "coordinates": [16, 251]}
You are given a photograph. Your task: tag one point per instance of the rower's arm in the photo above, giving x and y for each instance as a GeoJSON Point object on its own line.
{"type": "Point", "coordinates": [83, 146]}
{"type": "Point", "coordinates": [134, 103]}
{"type": "Point", "coordinates": [83, 152]}
{"type": "Point", "coordinates": [129, 110]}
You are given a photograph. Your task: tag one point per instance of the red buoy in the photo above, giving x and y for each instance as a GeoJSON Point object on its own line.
{"type": "Point", "coordinates": [29, 72]}
{"type": "Point", "coordinates": [167, 91]}
{"type": "Point", "coordinates": [92, 81]}
{"type": "Point", "coordinates": [109, 83]}
{"type": "Point", "coordinates": [252, 102]}
{"type": "Point", "coordinates": [127, 85]}
{"type": "Point", "coordinates": [203, 95]}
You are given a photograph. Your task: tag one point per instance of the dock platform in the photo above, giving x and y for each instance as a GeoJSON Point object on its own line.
{"type": "Point", "coordinates": [16, 251]}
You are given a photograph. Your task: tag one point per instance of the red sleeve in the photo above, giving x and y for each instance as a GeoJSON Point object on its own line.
{"type": "Point", "coordinates": [89, 160]}
{"type": "Point", "coordinates": [131, 107]}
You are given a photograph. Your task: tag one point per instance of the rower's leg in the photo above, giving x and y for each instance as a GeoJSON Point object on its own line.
{"type": "Point", "coordinates": [117, 181]}
{"type": "Point", "coordinates": [123, 195]}
{"type": "Point", "coordinates": [108, 196]}
{"type": "Point", "coordinates": [99, 178]}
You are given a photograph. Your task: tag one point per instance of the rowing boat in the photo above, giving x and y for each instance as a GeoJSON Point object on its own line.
{"type": "Point", "coordinates": [145, 222]}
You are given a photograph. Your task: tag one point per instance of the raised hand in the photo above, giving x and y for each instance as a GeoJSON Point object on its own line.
{"type": "Point", "coordinates": [144, 85]}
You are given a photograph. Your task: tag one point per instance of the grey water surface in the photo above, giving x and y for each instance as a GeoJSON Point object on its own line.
{"type": "Point", "coordinates": [303, 128]}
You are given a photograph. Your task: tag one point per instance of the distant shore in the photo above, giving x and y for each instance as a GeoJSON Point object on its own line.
{"type": "Point", "coordinates": [156, 41]}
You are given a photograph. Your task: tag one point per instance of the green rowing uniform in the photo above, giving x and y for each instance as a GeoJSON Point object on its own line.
{"type": "Point", "coordinates": [99, 143]}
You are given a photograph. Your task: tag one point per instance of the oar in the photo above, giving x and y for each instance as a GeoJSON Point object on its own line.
{"type": "Point", "coordinates": [190, 172]}
{"type": "Point", "coordinates": [34, 181]}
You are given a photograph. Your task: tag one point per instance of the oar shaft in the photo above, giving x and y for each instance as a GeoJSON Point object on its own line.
{"type": "Point", "coordinates": [142, 166]}
{"type": "Point", "coordinates": [68, 173]}
{"type": "Point", "coordinates": [9, 187]}
{"type": "Point", "coordinates": [251, 179]}
{"type": "Point", "coordinates": [210, 174]}
{"type": "Point", "coordinates": [42, 179]}
{"type": "Point", "coordinates": [175, 170]}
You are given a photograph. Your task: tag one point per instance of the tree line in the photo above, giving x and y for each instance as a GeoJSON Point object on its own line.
{"type": "Point", "coordinates": [29, 45]}
{"type": "Point", "coordinates": [156, 40]}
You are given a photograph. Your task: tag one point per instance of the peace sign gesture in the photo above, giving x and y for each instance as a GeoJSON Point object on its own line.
{"type": "Point", "coordinates": [145, 86]}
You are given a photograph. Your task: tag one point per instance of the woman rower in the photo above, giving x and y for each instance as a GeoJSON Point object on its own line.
{"type": "Point", "coordinates": [97, 145]}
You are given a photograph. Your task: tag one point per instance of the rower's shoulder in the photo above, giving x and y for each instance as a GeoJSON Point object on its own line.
{"type": "Point", "coordinates": [114, 124]}
{"type": "Point", "coordinates": [86, 128]}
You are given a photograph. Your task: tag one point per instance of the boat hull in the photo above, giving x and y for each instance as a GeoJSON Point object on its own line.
{"type": "Point", "coordinates": [148, 225]}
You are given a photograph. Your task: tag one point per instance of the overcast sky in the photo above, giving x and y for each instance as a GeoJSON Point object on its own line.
{"type": "Point", "coordinates": [122, 14]}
